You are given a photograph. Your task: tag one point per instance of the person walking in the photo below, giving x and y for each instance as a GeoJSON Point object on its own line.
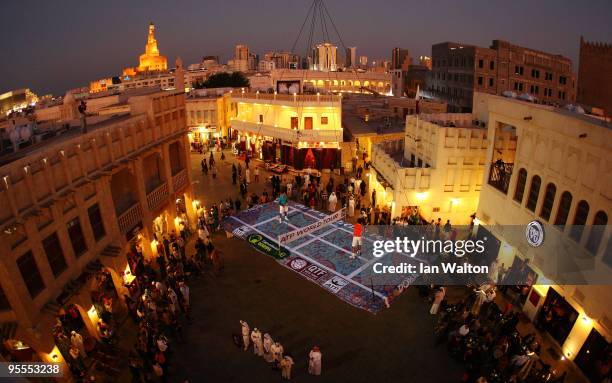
{"type": "Point", "coordinates": [333, 200]}
{"type": "Point", "coordinates": [351, 206]}
{"type": "Point", "coordinates": [246, 331]}
{"type": "Point", "coordinates": [267, 348]}
{"type": "Point", "coordinates": [314, 361]}
{"type": "Point", "coordinates": [277, 352]}
{"type": "Point", "coordinates": [214, 171]}
{"type": "Point", "coordinates": [256, 174]}
{"type": "Point", "coordinates": [247, 175]}
{"type": "Point", "coordinates": [77, 341]}
{"type": "Point", "coordinates": [257, 342]}
{"type": "Point", "coordinates": [286, 364]}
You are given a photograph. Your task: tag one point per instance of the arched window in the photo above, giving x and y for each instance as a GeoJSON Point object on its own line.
{"type": "Point", "coordinates": [534, 191]}
{"type": "Point", "coordinates": [520, 185]}
{"type": "Point", "coordinates": [549, 200]}
{"type": "Point", "coordinates": [563, 209]}
{"type": "Point", "coordinates": [582, 212]}
{"type": "Point", "coordinates": [597, 230]}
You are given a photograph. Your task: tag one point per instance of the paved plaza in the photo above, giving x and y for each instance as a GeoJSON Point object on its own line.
{"type": "Point", "coordinates": [395, 345]}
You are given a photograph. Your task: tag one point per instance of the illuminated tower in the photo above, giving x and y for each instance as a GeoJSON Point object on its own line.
{"type": "Point", "coordinates": [151, 60]}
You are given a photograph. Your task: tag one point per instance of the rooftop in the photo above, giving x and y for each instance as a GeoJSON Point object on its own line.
{"type": "Point", "coordinates": [587, 118]}
{"type": "Point", "coordinates": [58, 132]}
{"type": "Point", "coordinates": [357, 126]}
{"type": "Point", "coordinates": [453, 120]}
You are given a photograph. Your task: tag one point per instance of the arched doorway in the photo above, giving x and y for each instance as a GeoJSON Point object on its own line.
{"type": "Point", "coordinates": [106, 297]}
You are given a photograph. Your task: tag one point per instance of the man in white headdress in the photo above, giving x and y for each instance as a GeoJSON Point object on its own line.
{"type": "Point", "coordinates": [257, 343]}
{"type": "Point", "coordinates": [267, 348]}
{"type": "Point", "coordinates": [77, 341]}
{"type": "Point", "coordinates": [246, 332]}
{"type": "Point", "coordinates": [333, 200]}
{"type": "Point", "coordinates": [351, 206]}
{"type": "Point", "coordinates": [277, 352]}
{"type": "Point", "coordinates": [174, 304]}
{"type": "Point", "coordinates": [285, 365]}
{"type": "Point", "coordinates": [314, 362]}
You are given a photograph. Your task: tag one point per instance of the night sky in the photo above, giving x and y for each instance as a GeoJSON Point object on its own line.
{"type": "Point", "coordinates": [51, 46]}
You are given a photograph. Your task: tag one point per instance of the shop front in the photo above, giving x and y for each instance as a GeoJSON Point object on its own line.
{"type": "Point", "coordinates": [557, 310]}
{"type": "Point", "coordinates": [319, 157]}
{"type": "Point", "coordinates": [201, 137]}
{"type": "Point", "coordinates": [301, 149]}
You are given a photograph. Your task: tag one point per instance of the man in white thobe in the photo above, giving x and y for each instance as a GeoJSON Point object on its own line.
{"type": "Point", "coordinates": [77, 341]}
{"type": "Point", "coordinates": [277, 352]}
{"type": "Point", "coordinates": [257, 343]}
{"type": "Point", "coordinates": [246, 332]}
{"type": "Point", "coordinates": [267, 348]}
{"type": "Point", "coordinates": [314, 362]}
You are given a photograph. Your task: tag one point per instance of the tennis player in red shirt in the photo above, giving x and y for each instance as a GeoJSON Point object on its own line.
{"type": "Point", "coordinates": [357, 230]}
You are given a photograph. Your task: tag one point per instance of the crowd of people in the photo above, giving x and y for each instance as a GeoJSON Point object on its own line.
{"type": "Point", "coordinates": [486, 339]}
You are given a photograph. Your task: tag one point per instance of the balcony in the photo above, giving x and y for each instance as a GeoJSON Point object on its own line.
{"type": "Point", "coordinates": [301, 98]}
{"type": "Point", "coordinates": [286, 134]}
{"type": "Point", "coordinates": [130, 218]}
{"type": "Point", "coordinates": [157, 197]}
{"type": "Point", "coordinates": [180, 180]}
{"type": "Point", "coordinates": [499, 176]}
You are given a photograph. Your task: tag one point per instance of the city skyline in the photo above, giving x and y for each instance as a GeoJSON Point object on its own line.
{"type": "Point", "coordinates": [89, 54]}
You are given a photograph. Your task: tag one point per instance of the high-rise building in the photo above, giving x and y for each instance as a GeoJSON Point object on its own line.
{"type": "Point", "coordinates": [151, 60]}
{"type": "Point", "coordinates": [363, 61]}
{"type": "Point", "coordinates": [324, 57]}
{"type": "Point", "coordinates": [241, 52]}
{"type": "Point", "coordinates": [241, 58]}
{"type": "Point", "coordinates": [253, 61]}
{"type": "Point", "coordinates": [400, 59]}
{"type": "Point", "coordinates": [595, 75]}
{"type": "Point", "coordinates": [459, 70]}
{"type": "Point", "coordinates": [350, 60]}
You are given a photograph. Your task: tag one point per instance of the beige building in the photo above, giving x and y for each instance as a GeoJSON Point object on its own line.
{"type": "Point", "coordinates": [75, 206]}
{"type": "Point", "coordinates": [436, 168]}
{"type": "Point", "coordinates": [208, 114]}
{"type": "Point", "coordinates": [368, 119]}
{"type": "Point", "coordinates": [303, 131]}
{"type": "Point", "coordinates": [555, 168]}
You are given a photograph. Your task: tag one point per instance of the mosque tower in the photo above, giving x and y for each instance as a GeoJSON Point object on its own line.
{"type": "Point", "coordinates": [151, 60]}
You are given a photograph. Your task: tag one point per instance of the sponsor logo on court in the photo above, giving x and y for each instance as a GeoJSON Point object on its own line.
{"type": "Point", "coordinates": [313, 272]}
{"type": "Point", "coordinates": [335, 284]}
{"type": "Point", "coordinates": [298, 264]}
{"type": "Point", "coordinates": [266, 246]}
{"type": "Point", "coordinates": [241, 232]}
